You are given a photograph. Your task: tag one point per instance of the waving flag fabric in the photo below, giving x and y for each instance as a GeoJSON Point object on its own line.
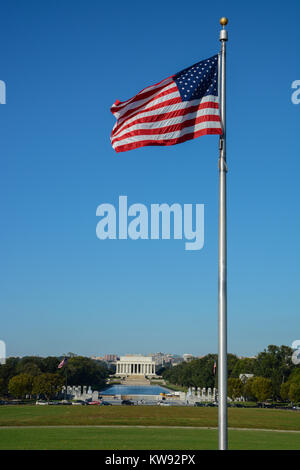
{"type": "Point", "coordinates": [62, 363]}
{"type": "Point", "coordinates": [179, 108]}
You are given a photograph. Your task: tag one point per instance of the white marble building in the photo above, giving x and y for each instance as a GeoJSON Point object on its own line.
{"type": "Point", "coordinates": [135, 365]}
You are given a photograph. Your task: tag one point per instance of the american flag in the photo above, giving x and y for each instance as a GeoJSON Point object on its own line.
{"type": "Point", "coordinates": [62, 363]}
{"type": "Point", "coordinates": [179, 108]}
{"type": "Point", "coordinates": [214, 368]}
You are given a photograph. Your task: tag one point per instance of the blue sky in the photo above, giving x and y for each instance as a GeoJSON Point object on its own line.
{"type": "Point", "coordinates": [62, 289]}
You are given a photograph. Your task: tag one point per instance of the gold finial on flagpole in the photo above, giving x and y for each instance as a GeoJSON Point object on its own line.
{"type": "Point", "coordinates": [223, 32]}
{"type": "Point", "coordinates": [224, 21]}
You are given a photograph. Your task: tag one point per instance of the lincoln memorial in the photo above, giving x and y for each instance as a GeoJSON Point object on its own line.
{"type": "Point", "coordinates": [135, 365]}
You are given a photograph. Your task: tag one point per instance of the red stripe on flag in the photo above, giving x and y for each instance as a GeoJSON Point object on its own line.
{"type": "Point", "coordinates": [154, 89]}
{"type": "Point", "coordinates": [167, 129]}
{"type": "Point", "coordinates": [164, 116]}
{"type": "Point", "coordinates": [143, 105]}
{"type": "Point", "coordinates": [184, 138]}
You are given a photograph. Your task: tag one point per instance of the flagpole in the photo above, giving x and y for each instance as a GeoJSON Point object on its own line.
{"type": "Point", "coordinates": [222, 275]}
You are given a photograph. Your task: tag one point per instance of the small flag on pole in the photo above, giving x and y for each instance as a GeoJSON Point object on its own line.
{"type": "Point", "coordinates": [214, 369]}
{"type": "Point", "coordinates": [181, 107]}
{"type": "Point", "coordinates": [62, 363]}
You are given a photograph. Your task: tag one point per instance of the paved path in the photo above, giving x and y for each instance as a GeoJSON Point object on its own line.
{"type": "Point", "coordinates": [146, 427]}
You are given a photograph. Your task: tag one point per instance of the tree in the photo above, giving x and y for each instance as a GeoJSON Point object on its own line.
{"type": "Point", "coordinates": [47, 384]}
{"type": "Point", "coordinates": [49, 364]}
{"type": "Point", "coordinates": [161, 369]}
{"type": "Point", "coordinates": [295, 376]}
{"type": "Point", "coordinates": [7, 371]}
{"type": "Point", "coordinates": [245, 365]}
{"type": "Point", "coordinates": [261, 388]}
{"type": "Point", "coordinates": [275, 363]}
{"type": "Point", "coordinates": [235, 388]}
{"type": "Point", "coordinates": [29, 368]}
{"type": "Point", "coordinates": [248, 391]}
{"type": "Point", "coordinates": [232, 361]}
{"type": "Point", "coordinates": [2, 386]}
{"type": "Point", "coordinates": [29, 365]}
{"type": "Point", "coordinates": [284, 391]}
{"type": "Point", "coordinates": [85, 371]}
{"type": "Point", "coordinates": [294, 392]}
{"type": "Point", "coordinates": [290, 389]}
{"type": "Point", "coordinates": [196, 373]}
{"type": "Point", "coordinates": [20, 385]}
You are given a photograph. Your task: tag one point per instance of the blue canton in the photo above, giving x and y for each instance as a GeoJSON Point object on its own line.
{"type": "Point", "coordinates": [199, 80]}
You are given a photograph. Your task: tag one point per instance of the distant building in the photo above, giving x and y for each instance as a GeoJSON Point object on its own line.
{"type": "Point", "coordinates": [188, 357]}
{"type": "Point", "coordinates": [176, 361]}
{"type": "Point", "coordinates": [97, 358]}
{"type": "Point", "coordinates": [110, 357]}
{"type": "Point", "coordinates": [135, 365]}
{"type": "Point", "coordinates": [106, 358]}
{"type": "Point", "coordinates": [247, 357]}
{"type": "Point", "coordinates": [159, 358]}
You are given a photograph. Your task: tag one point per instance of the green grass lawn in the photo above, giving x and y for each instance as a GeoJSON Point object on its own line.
{"type": "Point", "coordinates": [147, 416]}
{"type": "Point", "coordinates": [136, 439]}
{"type": "Point", "coordinates": [166, 437]}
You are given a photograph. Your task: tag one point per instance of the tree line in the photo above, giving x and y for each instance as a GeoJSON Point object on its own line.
{"type": "Point", "coordinates": [275, 375]}
{"type": "Point", "coordinates": [35, 376]}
